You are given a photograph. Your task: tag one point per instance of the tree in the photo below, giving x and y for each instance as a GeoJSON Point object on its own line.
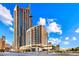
{"type": "Point", "coordinates": [53, 47]}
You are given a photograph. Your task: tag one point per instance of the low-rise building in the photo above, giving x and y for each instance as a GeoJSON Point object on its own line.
{"type": "Point", "coordinates": [57, 48]}
{"type": "Point", "coordinates": [7, 47]}
{"type": "Point", "coordinates": [2, 43]}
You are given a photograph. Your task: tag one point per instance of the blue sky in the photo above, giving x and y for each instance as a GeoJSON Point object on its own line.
{"type": "Point", "coordinates": [60, 20]}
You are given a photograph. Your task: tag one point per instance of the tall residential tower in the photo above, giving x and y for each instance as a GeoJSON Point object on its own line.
{"type": "Point", "coordinates": [22, 22]}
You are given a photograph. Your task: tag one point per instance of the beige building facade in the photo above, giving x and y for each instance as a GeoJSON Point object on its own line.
{"type": "Point", "coordinates": [2, 43]}
{"type": "Point", "coordinates": [36, 38]}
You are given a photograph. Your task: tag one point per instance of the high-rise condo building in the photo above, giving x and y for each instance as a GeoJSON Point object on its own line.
{"type": "Point", "coordinates": [22, 22]}
{"type": "Point", "coordinates": [36, 37]}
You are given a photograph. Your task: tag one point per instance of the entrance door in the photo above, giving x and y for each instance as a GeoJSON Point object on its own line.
{"type": "Point", "coordinates": [33, 49]}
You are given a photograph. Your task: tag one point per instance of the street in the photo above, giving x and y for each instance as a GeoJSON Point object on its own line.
{"type": "Point", "coordinates": [37, 54]}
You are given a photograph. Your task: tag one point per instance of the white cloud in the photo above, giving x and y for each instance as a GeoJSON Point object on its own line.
{"type": "Point", "coordinates": [51, 25]}
{"type": "Point", "coordinates": [5, 15]}
{"type": "Point", "coordinates": [11, 29]}
{"type": "Point", "coordinates": [77, 30]}
{"type": "Point", "coordinates": [50, 20]}
{"type": "Point", "coordinates": [66, 42]}
{"type": "Point", "coordinates": [54, 27]}
{"type": "Point", "coordinates": [74, 38]}
{"type": "Point", "coordinates": [42, 21]}
{"type": "Point", "coordinates": [66, 38]}
{"type": "Point", "coordinates": [54, 40]}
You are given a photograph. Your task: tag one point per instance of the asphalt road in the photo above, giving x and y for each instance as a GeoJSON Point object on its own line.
{"type": "Point", "coordinates": [37, 54]}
